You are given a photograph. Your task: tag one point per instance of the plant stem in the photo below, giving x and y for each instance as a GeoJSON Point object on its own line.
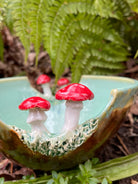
{"type": "Point", "coordinates": [40, 180]}
{"type": "Point", "coordinates": [118, 168]}
{"type": "Point", "coordinates": [114, 169]}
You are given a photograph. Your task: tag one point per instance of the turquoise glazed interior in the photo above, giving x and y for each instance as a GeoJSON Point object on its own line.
{"type": "Point", "coordinates": [14, 90]}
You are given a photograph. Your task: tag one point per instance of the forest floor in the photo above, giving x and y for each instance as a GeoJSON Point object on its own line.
{"type": "Point", "coordinates": [125, 142]}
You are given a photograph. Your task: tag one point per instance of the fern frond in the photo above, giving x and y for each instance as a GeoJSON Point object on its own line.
{"type": "Point", "coordinates": [57, 14]}
{"type": "Point", "coordinates": [37, 12]}
{"type": "Point", "coordinates": [133, 4]}
{"type": "Point", "coordinates": [103, 71]}
{"type": "Point", "coordinates": [76, 33]}
{"type": "Point", "coordinates": [20, 12]}
{"type": "Point", "coordinates": [89, 57]}
{"type": "Point", "coordinates": [1, 12]}
{"type": "Point", "coordinates": [8, 21]}
{"type": "Point", "coordinates": [60, 15]}
{"type": "Point", "coordinates": [128, 28]}
{"type": "Point", "coordinates": [88, 30]}
{"type": "Point", "coordinates": [123, 7]}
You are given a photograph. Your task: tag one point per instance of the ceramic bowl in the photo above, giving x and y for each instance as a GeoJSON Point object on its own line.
{"type": "Point", "coordinates": [99, 120]}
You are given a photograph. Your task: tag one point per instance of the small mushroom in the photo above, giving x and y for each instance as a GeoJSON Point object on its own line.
{"type": "Point", "coordinates": [74, 94]}
{"type": "Point", "coordinates": [44, 80]}
{"type": "Point", "coordinates": [37, 116]}
{"type": "Point", "coordinates": [63, 82]}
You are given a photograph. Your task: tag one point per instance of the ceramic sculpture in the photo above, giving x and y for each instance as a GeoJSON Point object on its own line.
{"type": "Point", "coordinates": [99, 120]}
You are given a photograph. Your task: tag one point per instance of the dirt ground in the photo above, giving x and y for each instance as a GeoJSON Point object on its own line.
{"type": "Point", "coordinates": [123, 143]}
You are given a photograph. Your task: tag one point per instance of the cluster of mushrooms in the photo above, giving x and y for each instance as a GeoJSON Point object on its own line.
{"type": "Point", "coordinates": [73, 93]}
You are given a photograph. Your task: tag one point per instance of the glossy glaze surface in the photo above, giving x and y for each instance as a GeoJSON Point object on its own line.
{"type": "Point", "coordinates": [14, 90]}
{"type": "Point", "coordinates": [74, 92]}
{"type": "Point", "coordinates": [35, 102]}
{"type": "Point", "coordinates": [63, 81]}
{"type": "Point", "coordinates": [42, 79]}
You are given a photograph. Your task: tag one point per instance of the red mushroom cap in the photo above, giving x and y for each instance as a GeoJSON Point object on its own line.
{"type": "Point", "coordinates": [43, 79]}
{"type": "Point", "coordinates": [35, 102]}
{"type": "Point", "coordinates": [63, 81]}
{"type": "Point", "coordinates": [74, 92]}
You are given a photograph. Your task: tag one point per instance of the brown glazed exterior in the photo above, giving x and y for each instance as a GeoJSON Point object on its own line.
{"type": "Point", "coordinates": [13, 147]}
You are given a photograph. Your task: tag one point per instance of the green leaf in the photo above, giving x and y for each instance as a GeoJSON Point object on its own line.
{"type": "Point", "coordinates": [51, 181]}
{"type": "Point", "coordinates": [95, 161]}
{"type": "Point", "coordinates": [82, 169]}
{"type": "Point", "coordinates": [54, 174]}
{"type": "Point", "coordinates": [104, 181]}
{"type": "Point", "coordinates": [75, 23]}
{"type": "Point", "coordinates": [133, 4]}
{"type": "Point", "coordinates": [77, 34]}
{"type": "Point", "coordinates": [37, 13]}
{"type": "Point", "coordinates": [136, 55]}
{"type": "Point", "coordinates": [93, 181]}
{"type": "Point", "coordinates": [88, 165]}
{"type": "Point", "coordinates": [20, 12]}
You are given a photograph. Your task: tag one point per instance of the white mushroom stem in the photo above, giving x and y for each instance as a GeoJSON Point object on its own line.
{"type": "Point", "coordinates": [36, 119]}
{"type": "Point", "coordinates": [46, 90]}
{"type": "Point", "coordinates": [72, 115]}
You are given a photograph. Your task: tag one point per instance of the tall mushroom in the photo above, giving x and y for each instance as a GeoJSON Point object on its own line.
{"type": "Point", "coordinates": [63, 82]}
{"type": "Point", "coordinates": [37, 116]}
{"type": "Point", "coordinates": [44, 80]}
{"type": "Point", "coordinates": [74, 94]}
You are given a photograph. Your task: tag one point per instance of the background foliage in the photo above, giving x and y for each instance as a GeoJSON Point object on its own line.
{"type": "Point", "coordinates": [90, 37]}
